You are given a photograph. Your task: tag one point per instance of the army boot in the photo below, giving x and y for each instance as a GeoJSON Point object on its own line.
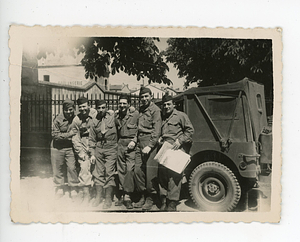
{"type": "Point", "coordinates": [172, 206]}
{"type": "Point", "coordinates": [148, 203]}
{"type": "Point", "coordinates": [141, 202]}
{"type": "Point", "coordinates": [108, 201]}
{"type": "Point", "coordinates": [128, 202]}
{"type": "Point", "coordinates": [119, 196]}
{"type": "Point", "coordinates": [99, 196]}
{"type": "Point", "coordinates": [163, 203]}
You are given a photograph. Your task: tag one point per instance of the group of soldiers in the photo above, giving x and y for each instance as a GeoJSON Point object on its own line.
{"type": "Point", "coordinates": [116, 152]}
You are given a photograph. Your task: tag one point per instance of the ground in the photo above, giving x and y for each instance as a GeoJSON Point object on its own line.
{"type": "Point", "coordinates": [38, 191]}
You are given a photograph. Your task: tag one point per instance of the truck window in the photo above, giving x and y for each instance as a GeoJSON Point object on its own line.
{"type": "Point", "coordinates": [259, 103]}
{"type": "Point", "coordinates": [222, 108]}
{"type": "Point", "coordinates": [179, 105]}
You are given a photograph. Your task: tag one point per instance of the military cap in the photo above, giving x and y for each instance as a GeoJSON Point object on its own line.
{"type": "Point", "coordinates": [82, 100]}
{"type": "Point", "coordinates": [144, 90]}
{"type": "Point", "coordinates": [124, 96]}
{"type": "Point", "coordinates": [100, 102]}
{"type": "Point", "coordinates": [167, 98]}
{"type": "Point", "coordinates": [68, 104]}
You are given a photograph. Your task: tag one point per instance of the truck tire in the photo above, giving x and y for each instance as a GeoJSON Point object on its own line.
{"type": "Point", "coordinates": [214, 187]}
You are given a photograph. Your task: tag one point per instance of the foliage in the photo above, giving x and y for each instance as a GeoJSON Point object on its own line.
{"type": "Point", "coordinates": [210, 61]}
{"type": "Point", "coordinates": [108, 55]}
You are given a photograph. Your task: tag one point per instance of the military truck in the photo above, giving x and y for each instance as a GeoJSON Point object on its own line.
{"type": "Point", "coordinates": [231, 142]}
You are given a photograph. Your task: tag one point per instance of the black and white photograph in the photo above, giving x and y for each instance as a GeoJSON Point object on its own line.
{"type": "Point", "coordinates": [150, 126]}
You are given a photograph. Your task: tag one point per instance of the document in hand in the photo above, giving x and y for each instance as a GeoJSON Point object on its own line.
{"type": "Point", "coordinates": [175, 160]}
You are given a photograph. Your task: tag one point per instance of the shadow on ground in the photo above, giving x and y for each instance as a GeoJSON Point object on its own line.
{"type": "Point", "coordinates": [35, 162]}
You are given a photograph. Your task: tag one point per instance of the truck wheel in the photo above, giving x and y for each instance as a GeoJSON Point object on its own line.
{"type": "Point", "coordinates": [213, 187]}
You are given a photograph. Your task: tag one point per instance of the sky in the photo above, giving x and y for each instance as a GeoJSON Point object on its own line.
{"type": "Point", "coordinates": [120, 78]}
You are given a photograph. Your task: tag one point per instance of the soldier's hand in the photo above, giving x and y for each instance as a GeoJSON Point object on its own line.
{"type": "Point", "coordinates": [93, 159]}
{"type": "Point", "coordinates": [146, 150]}
{"type": "Point", "coordinates": [73, 132]}
{"type": "Point", "coordinates": [160, 141]}
{"type": "Point", "coordinates": [81, 155]}
{"type": "Point", "coordinates": [176, 145]}
{"type": "Point", "coordinates": [131, 145]}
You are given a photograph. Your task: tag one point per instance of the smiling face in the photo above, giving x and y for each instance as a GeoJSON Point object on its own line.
{"type": "Point", "coordinates": [69, 112]}
{"type": "Point", "coordinates": [123, 105]}
{"type": "Point", "coordinates": [102, 109]}
{"type": "Point", "coordinates": [84, 109]}
{"type": "Point", "coordinates": [145, 99]}
{"type": "Point", "coordinates": [168, 107]}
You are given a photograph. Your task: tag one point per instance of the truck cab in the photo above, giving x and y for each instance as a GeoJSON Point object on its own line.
{"type": "Point", "coordinates": [231, 131]}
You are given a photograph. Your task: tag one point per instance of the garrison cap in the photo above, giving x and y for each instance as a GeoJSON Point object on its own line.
{"type": "Point", "coordinates": [99, 102]}
{"type": "Point", "coordinates": [82, 100]}
{"type": "Point", "coordinates": [124, 96]}
{"type": "Point", "coordinates": [68, 104]}
{"type": "Point", "coordinates": [144, 90]}
{"type": "Point", "coordinates": [167, 98]}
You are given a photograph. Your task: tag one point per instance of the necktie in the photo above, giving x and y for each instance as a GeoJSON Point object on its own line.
{"type": "Point", "coordinates": [102, 127]}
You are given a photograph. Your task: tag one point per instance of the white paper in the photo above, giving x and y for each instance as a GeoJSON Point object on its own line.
{"type": "Point", "coordinates": [175, 160]}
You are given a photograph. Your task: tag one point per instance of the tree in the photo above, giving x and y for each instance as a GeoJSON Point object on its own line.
{"type": "Point", "coordinates": [108, 55]}
{"type": "Point", "coordinates": [209, 61]}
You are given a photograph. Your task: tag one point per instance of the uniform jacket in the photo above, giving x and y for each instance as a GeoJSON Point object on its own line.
{"type": "Point", "coordinates": [150, 123]}
{"type": "Point", "coordinates": [80, 140]}
{"type": "Point", "coordinates": [97, 134]}
{"type": "Point", "coordinates": [177, 126]}
{"type": "Point", "coordinates": [60, 132]}
{"type": "Point", "coordinates": [127, 126]}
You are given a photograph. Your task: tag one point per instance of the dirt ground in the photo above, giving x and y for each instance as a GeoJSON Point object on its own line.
{"type": "Point", "coordinates": [38, 190]}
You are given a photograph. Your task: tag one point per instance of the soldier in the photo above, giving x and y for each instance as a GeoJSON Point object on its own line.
{"type": "Point", "coordinates": [62, 150]}
{"type": "Point", "coordinates": [149, 128]}
{"type": "Point", "coordinates": [82, 123]}
{"type": "Point", "coordinates": [176, 129]}
{"type": "Point", "coordinates": [126, 121]}
{"type": "Point", "coordinates": [103, 149]}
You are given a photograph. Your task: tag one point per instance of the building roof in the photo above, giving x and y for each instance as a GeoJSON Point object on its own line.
{"type": "Point", "coordinates": [116, 87]}
{"type": "Point", "coordinates": [85, 87]}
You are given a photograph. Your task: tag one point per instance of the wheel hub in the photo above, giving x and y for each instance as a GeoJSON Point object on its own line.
{"type": "Point", "coordinates": [213, 188]}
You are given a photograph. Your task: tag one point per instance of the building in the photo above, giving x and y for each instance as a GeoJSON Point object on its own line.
{"type": "Point", "coordinates": [157, 91]}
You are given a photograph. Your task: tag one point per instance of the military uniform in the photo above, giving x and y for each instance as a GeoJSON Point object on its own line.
{"type": "Point", "coordinates": [81, 145]}
{"type": "Point", "coordinates": [127, 131]}
{"type": "Point", "coordinates": [62, 151]}
{"type": "Point", "coordinates": [175, 127]}
{"type": "Point", "coordinates": [149, 129]}
{"type": "Point", "coordinates": [103, 145]}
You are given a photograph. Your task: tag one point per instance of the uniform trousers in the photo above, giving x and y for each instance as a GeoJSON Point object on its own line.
{"type": "Point", "coordinates": [145, 171]}
{"type": "Point", "coordinates": [125, 165]}
{"type": "Point", "coordinates": [85, 175]}
{"type": "Point", "coordinates": [105, 167]}
{"type": "Point", "coordinates": [59, 157]}
{"type": "Point", "coordinates": [169, 183]}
